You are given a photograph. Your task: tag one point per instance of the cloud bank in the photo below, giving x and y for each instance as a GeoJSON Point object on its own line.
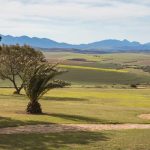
{"type": "Point", "coordinates": [77, 21]}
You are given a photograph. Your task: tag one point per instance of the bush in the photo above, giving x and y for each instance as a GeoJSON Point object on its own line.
{"type": "Point", "coordinates": [133, 85]}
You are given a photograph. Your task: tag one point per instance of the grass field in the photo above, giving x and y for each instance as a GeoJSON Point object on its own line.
{"type": "Point", "coordinates": [108, 140]}
{"type": "Point", "coordinates": [84, 105]}
{"type": "Point", "coordinates": [96, 77]}
{"type": "Point", "coordinates": [100, 69]}
{"type": "Point", "coordinates": [105, 69]}
{"type": "Point", "coordinates": [77, 105]}
{"type": "Point", "coordinates": [117, 58]}
{"type": "Point", "coordinates": [69, 55]}
{"type": "Point", "coordinates": [93, 68]}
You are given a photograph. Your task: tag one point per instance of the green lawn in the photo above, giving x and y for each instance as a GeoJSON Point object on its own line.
{"type": "Point", "coordinates": [77, 105]}
{"type": "Point", "coordinates": [107, 140]}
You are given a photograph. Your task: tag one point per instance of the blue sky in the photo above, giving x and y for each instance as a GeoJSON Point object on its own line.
{"type": "Point", "coordinates": [77, 21]}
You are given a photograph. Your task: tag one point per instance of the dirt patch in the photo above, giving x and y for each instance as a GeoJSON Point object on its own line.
{"type": "Point", "coordinates": [144, 116]}
{"type": "Point", "coordinates": [54, 128]}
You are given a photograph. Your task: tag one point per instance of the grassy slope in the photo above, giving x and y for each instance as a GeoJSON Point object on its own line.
{"type": "Point", "coordinates": [97, 77]}
{"type": "Point", "coordinates": [77, 106]}
{"type": "Point", "coordinates": [103, 69]}
{"type": "Point", "coordinates": [93, 68]}
{"type": "Point", "coordinates": [94, 77]}
{"type": "Point", "coordinates": [108, 140]}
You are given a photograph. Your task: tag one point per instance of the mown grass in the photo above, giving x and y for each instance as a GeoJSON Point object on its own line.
{"type": "Point", "coordinates": [77, 105]}
{"type": "Point", "coordinates": [107, 140]}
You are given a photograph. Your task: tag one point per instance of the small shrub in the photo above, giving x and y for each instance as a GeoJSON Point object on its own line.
{"type": "Point", "coordinates": [133, 85]}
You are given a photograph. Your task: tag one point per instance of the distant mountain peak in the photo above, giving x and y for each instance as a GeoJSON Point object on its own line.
{"type": "Point", "coordinates": [125, 40]}
{"type": "Point", "coordinates": [108, 44]}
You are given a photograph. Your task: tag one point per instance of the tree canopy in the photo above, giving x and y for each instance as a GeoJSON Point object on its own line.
{"type": "Point", "coordinates": [13, 61]}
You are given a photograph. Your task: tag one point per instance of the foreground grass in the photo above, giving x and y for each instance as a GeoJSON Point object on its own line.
{"type": "Point", "coordinates": [107, 140]}
{"type": "Point", "coordinates": [77, 105]}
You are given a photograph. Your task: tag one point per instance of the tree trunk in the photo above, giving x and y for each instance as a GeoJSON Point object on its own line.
{"type": "Point", "coordinates": [18, 90]}
{"type": "Point", "coordinates": [34, 108]}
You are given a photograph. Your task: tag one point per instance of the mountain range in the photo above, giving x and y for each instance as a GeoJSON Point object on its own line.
{"type": "Point", "coordinates": [100, 46]}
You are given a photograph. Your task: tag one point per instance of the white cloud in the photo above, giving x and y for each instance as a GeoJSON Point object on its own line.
{"type": "Point", "coordinates": [48, 18]}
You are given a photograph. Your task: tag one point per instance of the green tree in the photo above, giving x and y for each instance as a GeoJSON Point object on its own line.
{"type": "Point", "coordinates": [13, 60]}
{"type": "Point", "coordinates": [38, 81]}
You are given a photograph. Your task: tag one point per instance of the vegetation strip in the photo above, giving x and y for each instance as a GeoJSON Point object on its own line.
{"type": "Point", "coordinates": [92, 68]}
{"type": "Point", "coordinates": [55, 128]}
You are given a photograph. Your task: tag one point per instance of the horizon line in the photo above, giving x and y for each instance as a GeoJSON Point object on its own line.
{"type": "Point", "coordinates": [17, 36]}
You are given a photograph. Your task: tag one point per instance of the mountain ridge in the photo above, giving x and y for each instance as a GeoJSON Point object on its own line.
{"type": "Point", "coordinates": [103, 45]}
